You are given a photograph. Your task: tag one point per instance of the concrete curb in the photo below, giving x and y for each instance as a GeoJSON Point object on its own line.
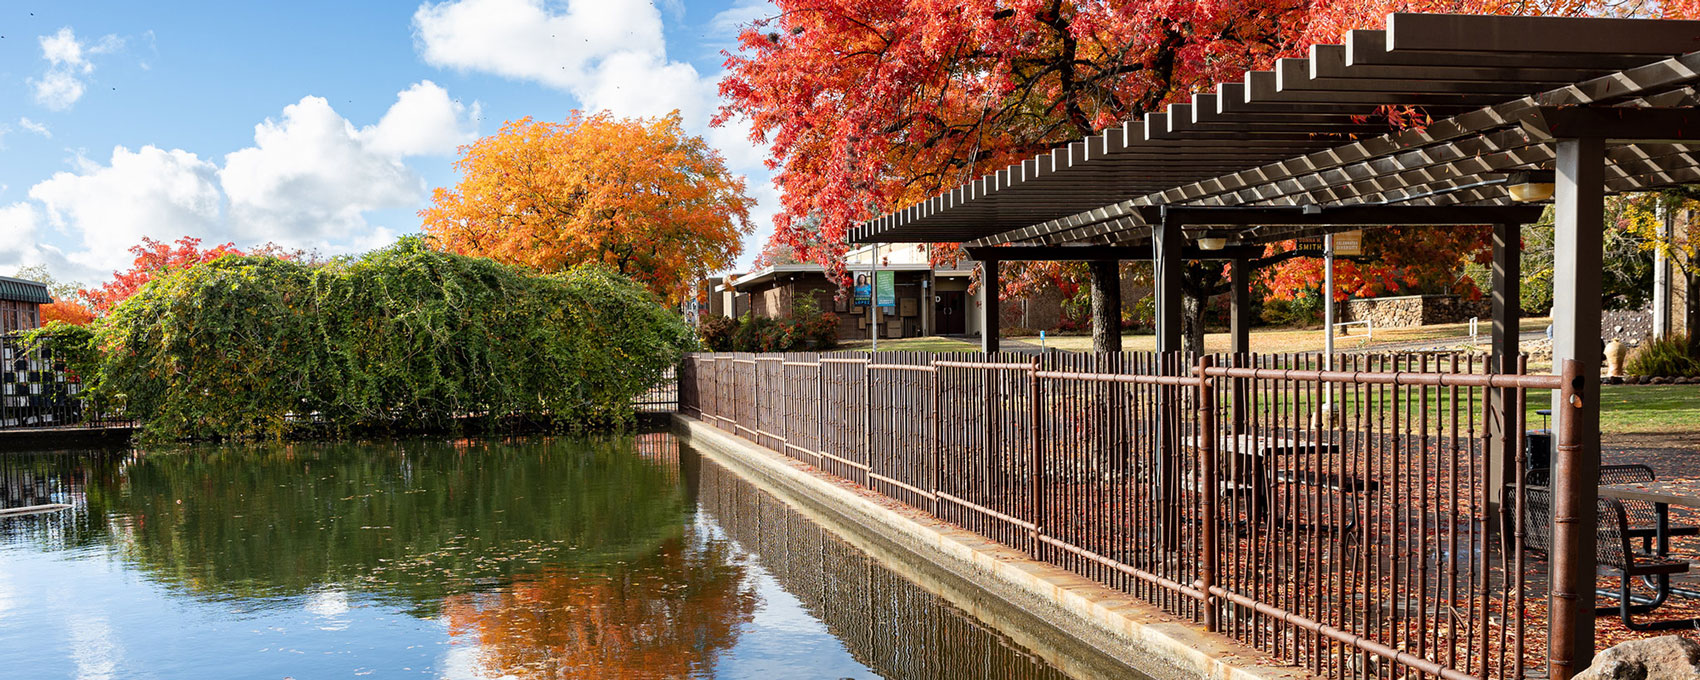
{"type": "Point", "coordinates": [1167, 648]}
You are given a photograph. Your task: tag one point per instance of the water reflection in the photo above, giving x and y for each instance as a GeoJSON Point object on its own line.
{"type": "Point", "coordinates": [888, 623]}
{"type": "Point", "coordinates": [616, 557]}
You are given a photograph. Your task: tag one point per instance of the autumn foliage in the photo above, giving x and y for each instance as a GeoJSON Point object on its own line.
{"type": "Point", "coordinates": [1396, 261]}
{"type": "Point", "coordinates": [153, 258]}
{"type": "Point", "coordinates": [66, 311]}
{"type": "Point", "coordinates": [638, 195]}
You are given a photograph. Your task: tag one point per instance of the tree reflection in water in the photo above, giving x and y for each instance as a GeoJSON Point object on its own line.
{"type": "Point", "coordinates": [552, 557]}
{"type": "Point", "coordinates": [665, 615]}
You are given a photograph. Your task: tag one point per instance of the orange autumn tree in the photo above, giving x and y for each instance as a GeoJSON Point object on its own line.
{"type": "Point", "coordinates": [67, 312]}
{"type": "Point", "coordinates": [637, 194]}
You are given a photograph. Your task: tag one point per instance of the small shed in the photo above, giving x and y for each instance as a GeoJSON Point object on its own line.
{"type": "Point", "coordinates": [20, 304]}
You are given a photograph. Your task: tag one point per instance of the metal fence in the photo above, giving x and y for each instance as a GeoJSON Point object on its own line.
{"type": "Point", "coordinates": [662, 398]}
{"type": "Point", "coordinates": [1346, 521]}
{"type": "Point", "coordinates": [37, 391]}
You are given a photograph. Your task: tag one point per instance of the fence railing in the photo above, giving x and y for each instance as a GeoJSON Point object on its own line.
{"type": "Point", "coordinates": [1347, 521]}
{"type": "Point", "coordinates": [662, 398]}
{"type": "Point", "coordinates": [38, 391]}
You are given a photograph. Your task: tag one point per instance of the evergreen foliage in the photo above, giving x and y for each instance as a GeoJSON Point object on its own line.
{"type": "Point", "coordinates": [402, 338]}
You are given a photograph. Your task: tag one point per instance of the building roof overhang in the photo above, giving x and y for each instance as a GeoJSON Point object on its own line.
{"type": "Point", "coordinates": [24, 290]}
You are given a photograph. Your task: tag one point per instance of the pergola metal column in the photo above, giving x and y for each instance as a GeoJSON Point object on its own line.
{"type": "Point", "coordinates": [1239, 317]}
{"type": "Point", "coordinates": [1578, 243]}
{"type": "Point", "coordinates": [1507, 312]}
{"type": "Point", "coordinates": [1166, 244]}
{"type": "Point", "coordinates": [1239, 326]}
{"type": "Point", "coordinates": [989, 314]}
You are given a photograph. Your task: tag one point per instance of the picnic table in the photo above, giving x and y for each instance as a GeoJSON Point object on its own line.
{"type": "Point", "coordinates": [1662, 495]}
{"type": "Point", "coordinates": [1255, 478]}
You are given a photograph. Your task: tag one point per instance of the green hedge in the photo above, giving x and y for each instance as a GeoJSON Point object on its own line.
{"type": "Point", "coordinates": [401, 338]}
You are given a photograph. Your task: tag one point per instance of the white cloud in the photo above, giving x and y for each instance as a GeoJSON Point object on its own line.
{"type": "Point", "coordinates": [311, 176]}
{"type": "Point", "coordinates": [17, 235]}
{"type": "Point", "coordinates": [68, 65]}
{"type": "Point", "coordinates": [149, 192]}
{"type": "Point", "coordinates": [424, 121]}
{"type": "Point", "coordinates": [35, 127]}
{"type": "Point", "coordinates": [729, 22]}
{"type": "Point", "coordinates": [57, 90]}
{"type": "Point", "coordinates": [523, 40]}
{"type": "Point", "coordinates": [609, 54]}
{"type": "Point", "coordinates": [307, 182]}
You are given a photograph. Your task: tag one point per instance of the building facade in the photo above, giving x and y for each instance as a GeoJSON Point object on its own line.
{"type": "Point", "coordinates": [930, 300]}
{"type": "Point", "coordinates": [20, 304]}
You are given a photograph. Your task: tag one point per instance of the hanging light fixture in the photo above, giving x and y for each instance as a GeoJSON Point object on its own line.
{"type": "Point", "coordinates": [1211, 243]}
{"type": "Point", "coordinates": [1529, 186]}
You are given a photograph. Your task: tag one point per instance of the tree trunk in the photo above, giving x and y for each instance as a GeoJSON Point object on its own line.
{"type": "Point", "coordinates": [1691, 322]}
{"type": "Point", "coordinates": [1192, 324]}
{"type": "Point", "coordinates": [1106, 306]}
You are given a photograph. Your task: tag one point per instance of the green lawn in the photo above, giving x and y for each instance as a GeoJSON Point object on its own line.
{"type": "Point", "coordinates": [915, 345]}
{"type": "Point", "coordinates": [1662, 409]}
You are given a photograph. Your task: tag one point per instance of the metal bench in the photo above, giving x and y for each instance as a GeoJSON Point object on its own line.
{"type": "Point", "coordinates": [1614, 552]}
{"type": "Point", "coordinates": [1643, 517]}
{"type": "Point", "coordinates": [1349, 487]}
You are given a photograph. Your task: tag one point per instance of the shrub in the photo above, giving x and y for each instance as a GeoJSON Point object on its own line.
{"type": "Point", "coordinates": [716, 333]}
{"type": "Point", "coordinates": [1666, 357]}
{"type": "Point", "coordinates": [807, 328]}
{"type": "Point", "coordinates": [403, 337]}
{"type": "Point", "coordinates": [1303, 310]}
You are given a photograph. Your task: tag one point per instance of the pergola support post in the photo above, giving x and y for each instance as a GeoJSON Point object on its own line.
{"type": "Point", "coordinates": [989, 313]}
{"type": "Point", "coordinates": [1577, 260]}
{"type": "Point", "coordinates": [1239, 326]}
{"type": "Point", "coordinates": [1166, 244]}
{"type": "Point", "coordinates": [1505, 423]}
{"type": "Point", "coordinates": [1106, 305]}
{"type": "Point", "coordinates": [1662, 278]}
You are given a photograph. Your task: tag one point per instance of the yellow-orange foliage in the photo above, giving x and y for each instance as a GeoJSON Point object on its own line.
{"type": "Point", "coordinates": [637, 194]}
{"type": "Point", "coordinates": [67, 311]}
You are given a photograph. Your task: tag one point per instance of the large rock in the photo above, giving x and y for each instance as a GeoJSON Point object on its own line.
{"type": "Point", "coordinates": [1661, 658]}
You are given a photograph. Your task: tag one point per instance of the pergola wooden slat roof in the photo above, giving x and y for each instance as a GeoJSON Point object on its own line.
{"type": "Point", "coordinates": [1297, 135]}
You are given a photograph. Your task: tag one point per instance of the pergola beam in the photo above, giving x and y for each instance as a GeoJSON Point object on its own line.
{"type": "Point", "coordinates": [1091, 253]}
{"type": "Point", "coordinates": [1650, 83]}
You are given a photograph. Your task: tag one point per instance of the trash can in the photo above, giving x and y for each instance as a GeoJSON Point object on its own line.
{"type": "Point", "coordinates": [1537, 447]}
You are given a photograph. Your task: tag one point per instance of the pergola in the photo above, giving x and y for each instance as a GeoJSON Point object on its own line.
{"type": "Point", "coordinates": [1603, 105]}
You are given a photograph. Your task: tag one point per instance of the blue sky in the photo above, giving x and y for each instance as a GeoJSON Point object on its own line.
{"type": "Point", "coordinates": [312, 124]}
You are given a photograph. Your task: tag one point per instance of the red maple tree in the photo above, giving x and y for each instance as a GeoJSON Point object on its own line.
{"type": "Point", "coordinates": [153, 258]}
{"type": "Point", "coordinates": [872, 105]}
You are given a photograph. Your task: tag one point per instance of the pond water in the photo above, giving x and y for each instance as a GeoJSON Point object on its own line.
{"type": "Point", "coordinates": [608, 557]}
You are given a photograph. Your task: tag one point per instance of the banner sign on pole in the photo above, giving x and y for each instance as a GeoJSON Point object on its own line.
{"type": "Point", "coordinates": [885, 288]}
{"type": "Point", "coordinates": [862, 294]}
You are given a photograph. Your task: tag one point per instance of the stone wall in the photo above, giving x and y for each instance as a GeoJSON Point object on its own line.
{"type": "Point", "coordinates": [1414, 310]}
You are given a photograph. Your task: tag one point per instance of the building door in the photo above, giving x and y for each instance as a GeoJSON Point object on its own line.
{"type": "Point", "coordinates": [949, 313]}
